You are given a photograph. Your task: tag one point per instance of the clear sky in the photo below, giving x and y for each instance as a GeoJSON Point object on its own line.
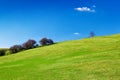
{"type": "Point", "coordinates": [60, 20]}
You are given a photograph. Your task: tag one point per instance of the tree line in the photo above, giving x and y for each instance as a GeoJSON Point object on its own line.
{"type": "Point", "coordinates": [30, 44]}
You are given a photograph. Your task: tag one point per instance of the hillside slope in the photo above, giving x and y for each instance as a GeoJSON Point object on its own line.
{"type": "Point", "coordinates": [88, 59]}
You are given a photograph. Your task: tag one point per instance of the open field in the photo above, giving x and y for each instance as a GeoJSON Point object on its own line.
{"type": "Point", "coordinates": [95, 58]}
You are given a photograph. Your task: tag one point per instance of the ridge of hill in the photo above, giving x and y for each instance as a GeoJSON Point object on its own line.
{"type": "Point", "coordinates": [96, 58]}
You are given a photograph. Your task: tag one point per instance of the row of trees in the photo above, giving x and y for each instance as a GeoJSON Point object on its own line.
{"type": "Point", "coordinates": [30, 44]}
{"type": "Point", "coordinates": [27, 45]}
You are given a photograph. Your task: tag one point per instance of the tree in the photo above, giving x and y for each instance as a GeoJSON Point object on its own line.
{"type": "Point", "coordinates": [50, 41]}
{"type": "Point", "coordinates": [92, 34]}
{"type": "Point", "coordinates": [16, 48]}
{"type": "Point", "coordinates": [45, 41]}
{"type": "Point", "coordinates": [29, 44]}
{"type": "Point", "coordinates": [2, 52]}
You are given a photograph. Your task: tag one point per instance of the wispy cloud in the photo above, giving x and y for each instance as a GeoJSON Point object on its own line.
{"type": "Point", "coordinates": [84, 9]}
{"type": "Point", "coordinates": [94, 6]}
{"type": "Point", "coordinates": [76, 33]}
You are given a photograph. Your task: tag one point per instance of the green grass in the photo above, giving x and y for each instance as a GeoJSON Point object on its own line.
{"type": "Point", "coordinates": [95, 58]}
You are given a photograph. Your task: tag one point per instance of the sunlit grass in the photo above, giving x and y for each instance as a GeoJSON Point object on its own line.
{"type": "Point", "coordinates": [88, 59]}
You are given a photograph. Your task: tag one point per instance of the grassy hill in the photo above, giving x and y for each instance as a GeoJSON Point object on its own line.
{"type": "Point", "coordinates": [95, 58]}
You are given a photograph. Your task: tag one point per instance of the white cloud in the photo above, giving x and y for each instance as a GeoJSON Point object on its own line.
{"type": "Point", "coordinates": [76, 33]}
{"type": "Point", "coordinates": [85, 9]}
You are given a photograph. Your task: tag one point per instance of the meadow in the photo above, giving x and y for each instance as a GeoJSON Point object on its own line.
{"type": "Point", "coordinates": [96, 58]}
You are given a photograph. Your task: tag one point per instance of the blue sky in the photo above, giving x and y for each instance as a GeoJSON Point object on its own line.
{"type": "Point", "coordinates": [60, 20]}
